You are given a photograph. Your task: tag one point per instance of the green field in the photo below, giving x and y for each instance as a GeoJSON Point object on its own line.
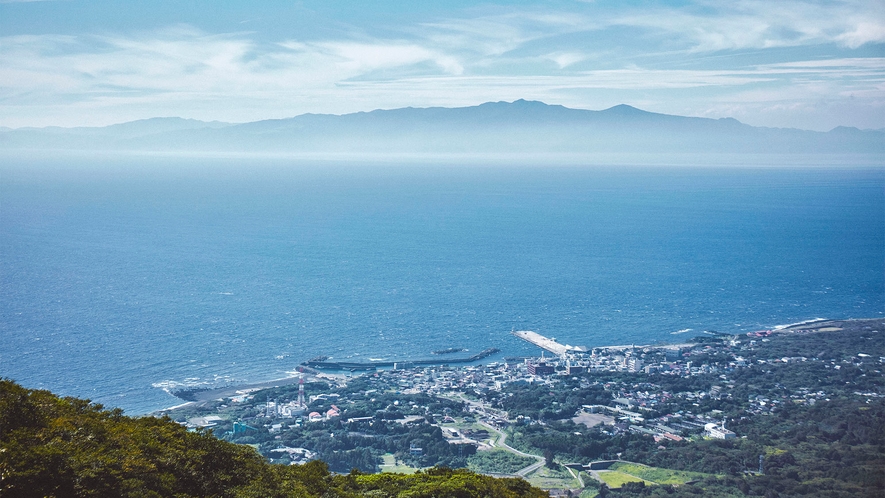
{"type": "Point", "coordinates": [657, 475]}
{"type": "Point", "coordinates": [547, 478]}
{"type": "Point", "coordinates": [498, 462]}
{"type": "Point", "coordinates": [390, 465]}
{"type": "Point", "coordinates": [589, 493]}
{"type": "Point", "coordinates": [615, 479]}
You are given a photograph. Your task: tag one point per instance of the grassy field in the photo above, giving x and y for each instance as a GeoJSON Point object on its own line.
{"type": "Point", "coordinates": [615, 479]}
{"type": "Point", "coordinates": [657, 475]}
{"type": "Point", "coordinates": [548, 478]}
{"type": "Point", "coordinates": [498, 461]}
{"type": "Point", "coordinates": [588, 493]}
{"type": "Point", "coordinates": [390, 465]}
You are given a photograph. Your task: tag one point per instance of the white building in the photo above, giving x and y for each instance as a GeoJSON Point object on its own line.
{"type": "Point", "coordinates": [718, 432]}
{"type": "Point", "coordinates": [634, 364]}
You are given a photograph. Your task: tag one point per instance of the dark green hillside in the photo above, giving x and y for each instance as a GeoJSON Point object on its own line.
{"type": "Point", "coordinates": [51, 446]}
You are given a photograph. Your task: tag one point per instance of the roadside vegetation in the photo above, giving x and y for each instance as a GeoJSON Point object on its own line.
{"type": "Point", "coordinates": [498, 462]}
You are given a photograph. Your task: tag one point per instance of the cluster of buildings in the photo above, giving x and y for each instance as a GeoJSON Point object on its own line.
{"type": "Point", "coordinates": [275, 409]}
{"type": "Point", "coordinates": [297, 456]}
{"type": "Point", "coordinates": [632, 404]}
{"type": "Point", "coordinates": [331, 413]}
{"type": "Point", "coordinates": [627, 412]}
{"type": "Point", "coordinates": [434, 380]}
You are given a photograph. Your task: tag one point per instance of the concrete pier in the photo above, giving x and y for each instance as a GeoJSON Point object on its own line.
{"type": "Point", "coordinates": [547, 343]}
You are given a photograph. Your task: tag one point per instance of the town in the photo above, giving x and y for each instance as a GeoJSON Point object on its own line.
{"type": "Point", "coordinates": [578, 420]}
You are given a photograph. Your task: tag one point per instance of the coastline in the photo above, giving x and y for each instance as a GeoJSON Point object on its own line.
{"type": "Point", "coordinates": [204, 395]}
{"type": "Point", "coordinates": [201, 396]}
{"type": "Point", "coordinates": [176, 407]}
{"type": "Point", "coordinates": [653, 346]}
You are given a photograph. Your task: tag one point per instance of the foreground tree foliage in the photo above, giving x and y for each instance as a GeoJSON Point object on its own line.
{"type": "Point", "coordinates": [60, 447]}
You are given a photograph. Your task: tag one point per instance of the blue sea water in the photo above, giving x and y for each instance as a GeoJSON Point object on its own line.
{"type": "Point", "coordinates": [121, 277]}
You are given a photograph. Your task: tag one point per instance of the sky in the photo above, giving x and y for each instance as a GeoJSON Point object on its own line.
{"type": "Point", "coordinates": [801, 64]}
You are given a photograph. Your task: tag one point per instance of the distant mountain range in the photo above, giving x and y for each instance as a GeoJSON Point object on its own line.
{"type": "Point", "coordinates": [511, 128]}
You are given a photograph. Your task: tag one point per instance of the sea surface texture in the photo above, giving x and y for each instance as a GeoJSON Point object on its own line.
{"type": "Point", "coordinates": [120, 279]}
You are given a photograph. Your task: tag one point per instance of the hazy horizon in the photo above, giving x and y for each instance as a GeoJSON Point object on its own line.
{"type": "Point", "coordinates": [226, 123]}
{"type": "Point", "coordinates": [521, 131]}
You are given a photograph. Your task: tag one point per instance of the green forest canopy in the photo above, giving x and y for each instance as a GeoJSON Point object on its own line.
{"type": "Point", "coordinates": [61, 447]}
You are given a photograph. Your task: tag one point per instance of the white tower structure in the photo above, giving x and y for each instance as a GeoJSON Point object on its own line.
{"type": "Point", "coordinates": [301, 402]}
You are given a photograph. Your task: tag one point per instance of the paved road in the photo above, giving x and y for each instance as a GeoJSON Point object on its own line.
{"type": "Point", "coordinates": [502, 442]}
{"type": "Point", "coordinates": [576, 476]}
{"type": "Point", "coordinates": [502, 438]}
{"type": "Point", "coordinates": [531, 468]}
{"type": "Point", "coordinates": [482, 407]}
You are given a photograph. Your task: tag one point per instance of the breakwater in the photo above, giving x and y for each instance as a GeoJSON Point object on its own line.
{"type": "Point", "coordinates": [347, 365]}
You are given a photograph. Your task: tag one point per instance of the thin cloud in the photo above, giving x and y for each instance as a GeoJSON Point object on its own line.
{"type": "Point", "coordinates": [562, 56]}
{"type": "Point", "coordinates": [761, 24]}
{"type": "Point", "coordinates": [566, 59]}
{"type": "Point", "coordinates": [864, 32]}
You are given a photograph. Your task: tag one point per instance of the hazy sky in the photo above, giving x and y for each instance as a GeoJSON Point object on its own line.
{"type": "Point", "coordinates": [805, 64]}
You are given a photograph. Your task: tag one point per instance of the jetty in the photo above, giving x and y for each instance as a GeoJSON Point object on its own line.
{"type": "Point", "coordinates": [348, 365]}
{"type": "Point", "coordinates": [448, 351]}
{"type": "Point", "coordinates": [547, 343]}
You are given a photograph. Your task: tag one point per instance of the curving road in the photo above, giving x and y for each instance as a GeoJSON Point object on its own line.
{"type": "Point", "coordinates": [502, 442]}
{"type": "Point", "coordinates": [502, 437]}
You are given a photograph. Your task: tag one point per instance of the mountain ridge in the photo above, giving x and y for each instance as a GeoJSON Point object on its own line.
{"type": "Point", "coordinates": [521, 126]}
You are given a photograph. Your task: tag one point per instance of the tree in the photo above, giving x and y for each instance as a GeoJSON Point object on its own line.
{"type": "Point", "coordinates": [603, 491]}
{"type": "Point", "coordinates": [51, 446]}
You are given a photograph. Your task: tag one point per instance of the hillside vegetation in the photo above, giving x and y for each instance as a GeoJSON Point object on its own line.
{"type": "Point", "coordinates": [60, 447]}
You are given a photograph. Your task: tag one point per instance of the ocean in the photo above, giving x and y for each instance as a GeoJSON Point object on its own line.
{"type": "Point", "coordinates": [123, 278]}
